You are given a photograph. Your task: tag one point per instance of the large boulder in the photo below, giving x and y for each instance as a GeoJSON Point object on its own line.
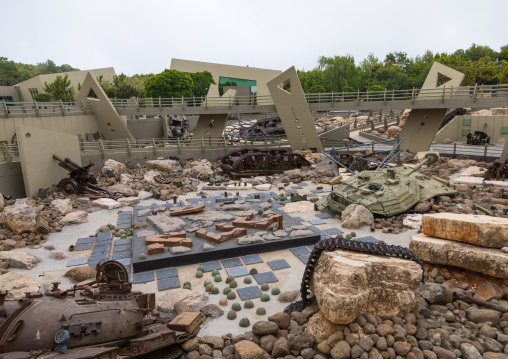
{"type": "Point", "coordinates": [347, 284]}
{"type": "Point", "coordinates": [150, 176]}
{"type": "Point", "coordinates": [122, 188]}
{"type": "Point", "coordinates": [246, 349]}
{"type": "Point", "coordinates": [201, 169]}
{"type": "Point", "coordinates": [63, 206]}
{"type": "Point", "coordinates": [77, 217]}
{"type": "Point", "coordinates": [170, 166]}
{"type": "Point", "coordinates": [20, 217]}
{"type": "Point", "coordinates": [18, 259]}
{"type": "Point", "coordinates": [17, 284]}
{"type": "Point", "coordinates": [483, 231]}
{"type": "Point", "coordinates": [80, 274]}
{"type": "Point", "coordinates": [114, 166]}
{"type": "Point", "coordinates": [404, 117]}
{"type": "Point", "coordinates": [393, 130]}
{"type": "Point", "coordinates": [356, 216]}
{"type": "Point", "coordinates": [489, 261]}
{"type": "Point", "coordinates": [165, 223]}
{"type": "Point", "coordinates": [166, 302]}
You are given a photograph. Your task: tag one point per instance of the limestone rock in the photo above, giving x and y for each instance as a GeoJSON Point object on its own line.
{"type": "Point", "coordinates": [18, 259]}
{"type": "Point", "coordinates": [489, 261]}
{"type": "Point", "coordinates": [117, 167]}
{"type": "Point", "coordinates": [76, 217]}
{"type": "Point", "coordinates": [482, 231]}
{"type": "Point", "coordinates": [287, 297]}
{"type": "Point", "coordinates": [170, 166]}
{"type": "Point", "coordinates": [63, 206]}
{"type": "Point", "coordinates": [166, 302]}
{"type": "Point", "coordinates": [263, 187]}
{"type": "Point", "coordinates": [393, 130]}
{"type": "Point", "coordinates": [150, 176]}
{"type": "Point", "coordinates": [413, 221]}
{"type": "Point", "coordinates": [347, 284]}
{"type": "Point", "coordinates": [422, 207]}
{"type": "Point", "coordinates": [246, 349]}
{"type": "Point", "coordinates": [128, 201]}
{"type": "Point", "coordinates": [144, 195]}
{"type": "Point", "coordinates": [165, 223]}
{"type": "Point", "coordinates": [145, 233]}
{"type": "Point", "coordinates": [281, 319]}
{"type": "Point", "coordinates": [20, 217]}
{"type": "Point", "coordinates": [301, 233]}
{"type": "Point", "coordinates": [483, 112]}
{"type": "Point", "coordinates": [207, 247]}
{"type": "Point", "coordinates": [250, 239]}
{"type": "Point", "coordinates": [214, 216]}
{"type": "Point", "coordinates": [488, 291]}
{"type": "Point", "coordinates": [80, 274]}
{"type": "Point", "coordinates": [180, 250]}
{"type": "Point", "coordinates": [356, 216]}
{"type": "Point", "coordinates": [435, 293]}
{"type": "Point", "coordinates": [320, 327]}
{"type": "Point", "coordinates": [482, 315]}
{"type": "Point", "coordinates": [264, 327]}
{"type": "Point", "coordinates": [122, 188]}
{"type": "Point", "coordinates": [201, 169]}
{"type": "Point", "coordinates": [106, 203]}
{"type": "Point", "coordinates": [469, 351]}
{"type": "Point", "coordinates": [2, 202]}
{"type": "Point", "coordinates": [17, 284]}
{"type": "Point", "coordinates": [212, 311]}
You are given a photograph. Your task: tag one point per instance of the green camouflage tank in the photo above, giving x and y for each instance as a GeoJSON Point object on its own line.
{"type": "Point", "coordinates": [386, 192]}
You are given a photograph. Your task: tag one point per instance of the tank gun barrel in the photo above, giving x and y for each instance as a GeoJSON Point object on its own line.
{"type": "Point", "coordinates": [426, 160]}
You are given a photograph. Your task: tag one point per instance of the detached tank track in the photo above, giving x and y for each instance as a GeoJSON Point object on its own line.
{"type": "Point", "coordinates": [161, 179]}
{"type": "Point", "coordinates": [342, 243]}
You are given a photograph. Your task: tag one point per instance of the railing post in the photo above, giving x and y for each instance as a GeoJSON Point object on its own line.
{"type": "Point", "coordinates": [474, 92]}
{"type": "Point", "coordinates": [384, 98]}
{"type": "Point", "coordinates": [137, 103]}
{"type": "Point", "coordinates": [62, 108]}
{"type": "Point", "coordinates": [4, 105]}
{"type": "Point", "coordinates": [36, 108]}
{"type": "Point", "coordinates": [202, 145]}
{"type": "Point", "coordinates": [413, 96]}
{"type": "Point", "coordinates": [454, 150]}
{"type": "Point", "coordinates": [178, 144]}
{"type": "Point", "coordinates": [160, 104]}
{"type": "Point", "coordinates": [183, 103]}
{"type": "Point", "coordinates": [7, 155]}
{"type": "Point", "coordinates": [129, 148]}
{"type": "Point", "coordinates": [101, 148]}
{"type": "Point", "coordinates": [154, 149]}
{"type": "Point", "coordinates": [372, 146]}
{"type": "Point", "coordinates": [442, 94]}
{"type": "Point", "coordinates": [332, 97]}
{"type": "Point", "coordinates": [485, 152]}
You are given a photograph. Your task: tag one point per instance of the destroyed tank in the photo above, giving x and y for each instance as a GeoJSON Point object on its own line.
{"type": "Point", "coordinates": [252, 161]}
{"type": "Point", "coordinates": [386, 192]}
{"type": "Point", "coordinates": [101, 318]}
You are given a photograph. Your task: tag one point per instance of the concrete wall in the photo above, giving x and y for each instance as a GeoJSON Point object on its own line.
{"type": "Point", "coordinates": [262, 76]}
{"type": "Point", "coordinates": [80, 124]}
{"type": "Point", "coordinates": [11, 180]}
{"type": "Point", "coordinates": [458, 128]}
{"type": "Point", "coordinates": [74, 76]}
{"type": "Point", "coordinates": [146, 128]}
{"type": "Point", "coordinates": [9, 91]}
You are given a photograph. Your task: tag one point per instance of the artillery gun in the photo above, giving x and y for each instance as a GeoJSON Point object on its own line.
{"type": "Point", "coordinates": [479, 137]}
{"type": "Point", "coordinates": [386, 192]}
{"type": "Point", "coordinates": [103, 318]}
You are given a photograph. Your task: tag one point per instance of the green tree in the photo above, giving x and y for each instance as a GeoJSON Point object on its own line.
{"type": "Point", "coordinates": [477, 52]}
{"type": "Point", "coordinates": [312, 78]}
{"type": "Point", "coordinates": [169, 83]}
{"type": "Point", "coordinates": [340, 71]}
{"type": "Point", "coordinates": [317, 89]}
{"type": "Point", "coordinates": [201, 83]}
{"type": "Point", "coordinates": [42, 97]}
{"type": "Point", "coordinates": [391, 77]}
{"type": "Point", "coordinates": [503, 55]}
{"type": "Point", "coordinates": [60, 89]}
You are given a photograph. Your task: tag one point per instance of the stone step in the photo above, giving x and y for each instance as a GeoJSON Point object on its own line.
{"type": "Point", "coordinates": [482, 231]}
{"type": "Point", "coordinates": [489, 261]}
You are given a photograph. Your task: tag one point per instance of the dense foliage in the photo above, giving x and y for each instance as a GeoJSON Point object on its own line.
{"type": "Point", "coordinates": [12, 72]}
{"type": "Point", "coordinates": [170, 83]}
{"type": "Point", "coordinates": [480, 64]}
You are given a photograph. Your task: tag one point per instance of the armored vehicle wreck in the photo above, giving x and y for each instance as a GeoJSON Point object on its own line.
{"type": "Point", "coordinates": [103, 318]}
{"type": "Point", "coordinates": [386, 192]}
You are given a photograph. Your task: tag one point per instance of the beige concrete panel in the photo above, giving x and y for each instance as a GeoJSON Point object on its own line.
{"type": "Point", "coordinates": [231, 94]}
{"type": "Point", "coordinates": [431, 80]}
{"type": "Point", "coordinates": [262, 76]}
{"type": "Point", "coordinates": [420, 128]}
{"type": "Point", "coordinates": [10, 129]}
{"type": "Point", "coordinates": [110, 123]}
{"type": "Point", "coordinates": [294, 112]}
{"type": "Point", "coordinates": [11, 180]}
{"type": "Point", "coordinates": [210, 126]}
{"type": "Point", "coordinates": [37, 147]}
{"type": "Point", "coordinates": [54, 124]}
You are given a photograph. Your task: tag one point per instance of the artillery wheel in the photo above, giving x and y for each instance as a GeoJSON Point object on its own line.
{"type": "Point", "coordinates": [112, 271]}
{"type": "Point", "coordinates": [69, 186]}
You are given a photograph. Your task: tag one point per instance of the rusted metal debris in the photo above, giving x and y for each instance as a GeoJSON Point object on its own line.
{"type": "Point", "coordinates": [484, 303]}
{"type": "Point", "coordinates": [260, 161]}
{"type": "Point", "coordinates": [186, 209]}
{"type": "Point", "coordinates": [497, 170]}
{"type": "Point", "coordinates": [271, 126]}
{"type": "Point", "coordinates": [81, 180]}
{"type": "Point", "coordinates": [103, 313]}
{"type": "Point", "coordinates": [479, 137]}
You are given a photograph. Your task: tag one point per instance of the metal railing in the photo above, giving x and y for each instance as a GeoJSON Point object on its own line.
{"type": "Point", "coordinates": [24, 109]}
{"type": "Point", "coordinates": [462, 92]}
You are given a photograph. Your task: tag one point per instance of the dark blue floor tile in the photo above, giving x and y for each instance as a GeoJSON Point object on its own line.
{"type": "Point", "coordinates": [317, 221]}
{"type": "Point", "coordinates": [237, 271]}
{"type": "Point", "coordinates": [121, 241]}
{"type": "Point", "coordinates": [332, 230]}
{"type": "Point", "coordinates": [368, 239]}
{"type": "Point", "coordinates": [168, 283]}
{"type": "Point", "coordinates": [252, 259]}
{"type": "Point", "coordinates": [143, 277]}
{"type": "Point", "coordinates": [77, 261]}
{"type": "Point", "coordinates": [278, 264]}
{"type": "Point", "coordinates": [232, 262]}
{"type": "Point", "coordinates": [85, 240]}
{"type": "Point", "coordinates": [323, 215]}
{"type": "Point", "coordinates": [210, 266]}
{"type": "Point", "coordinates": [249, 292]}
{"type": "Point", "coordinates": [121, 247]}
{"type": "Point", "coordinates": [304, 258]}
{"type": "Point", "coordinates": [167, 273]}
{"type": "Point", "coordinates": [300, 251]}
{"type": "Point", "coordinates": [121, 255]}
{"type": "Point", "coordinates": [83, 247]}
{"type": "Point", "coordinates": [267, 277]}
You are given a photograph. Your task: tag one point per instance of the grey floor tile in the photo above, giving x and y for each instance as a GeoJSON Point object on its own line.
{"type": "Point", "coordinates": [278, 264]}
{"type": "Point", "coordinates": [168, 283]}
{"type": "Point", "coordinates": [83, 247]}
{"type": "Point", "coordinates": [167, 273]}
{"type": "Point", "coordinates": [85, 240]}
{"type": "Point", "coordinates": [121, 247]}
{"type": "Point", "coordinates": [125, 261]}
{"type": "Point", "coordinates": [237, 271]}
{"type": "Point", "coordinates": [121, 255]}
{"type": "Point", "coordinates": [127, 240]}
{"type": "Point", "coordinates": [267, 277]}
{"type": "Point", "coordinates": [368, 239]}
{"type": "Point", "coordinates": [249, 292]}
{"type": "Point", "coordinates": [210, 266]}
{"type": "Point", "coordinates": [143, 277]}
{"type": "Point", "coordinates": [252, 259]}
{"type": "Point", "coordinates": [300, 251]}
{"type": "Point", "coordinates": [77, 261]}
{"type": "Point", "coordinates": [299, 219]}
{"type": "Point", "coordinates": [332, 230]}
{"type": "Point", "coordinates": [323, 215]}
{"type": "Point", "coordinates": [317, 221]}
{"type": "Point", "coordinates": [304, 258]}
{"type": "Point", "coordinates": [232, 262]}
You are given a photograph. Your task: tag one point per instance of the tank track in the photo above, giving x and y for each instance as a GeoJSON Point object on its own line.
{"type": "Point", "coordinates": [261, 125]}
{"type": "Point", "coordinates": [333, 244]}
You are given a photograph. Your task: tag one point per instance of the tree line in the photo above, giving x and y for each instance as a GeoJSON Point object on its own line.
{"type": "Point", "coordinates": [481, 65]}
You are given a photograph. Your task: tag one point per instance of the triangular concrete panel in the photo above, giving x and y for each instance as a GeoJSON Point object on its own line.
{"type": "Point", "coordinates": [110, 124]}
{"type": "Point", "coordinates": [294, 112]}
{"type": "Point", "coordinates": [455, 76]}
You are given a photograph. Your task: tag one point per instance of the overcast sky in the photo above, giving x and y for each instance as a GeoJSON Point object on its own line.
{"type": "Point", "coordinates": [143, 36]}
